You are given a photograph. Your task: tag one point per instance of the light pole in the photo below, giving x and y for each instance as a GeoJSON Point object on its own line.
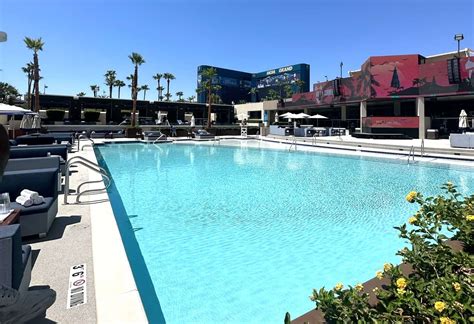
{"type": "Point", "coordinates": [326, 78]}
{"type": "Point", "coordinates": [44, 89]}
{"type": "Point", "coordinates": [340, 65]}
{"type": "Point", "coordinates": [459, 38]}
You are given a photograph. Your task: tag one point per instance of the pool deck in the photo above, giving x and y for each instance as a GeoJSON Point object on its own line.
{"type": "Point", "coordinates": [87, 232]}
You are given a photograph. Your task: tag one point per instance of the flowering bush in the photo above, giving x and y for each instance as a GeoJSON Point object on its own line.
{"type": "Point", "coordinates": [439, 289]}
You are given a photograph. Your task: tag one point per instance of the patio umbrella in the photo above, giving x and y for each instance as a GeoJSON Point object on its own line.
{"type": "Point", "coordinates": [193, 121]}
{"type": "Point", "coordinates": [12, 110]}
{"type": "Point", "coordinates": [36, 122]}
{"type": "Point", "coordinates": [302, 115]}
{"type": "Point", "coordinates": [286, 114]}
{"type": "Point", "coordinates": [242, 116]}
{"type": "Point", "coordinates": [318, 117]}
{"type": "Point", "coordinates": [462, 120]}
{"type": "Point", "coordinates": [276, 118]}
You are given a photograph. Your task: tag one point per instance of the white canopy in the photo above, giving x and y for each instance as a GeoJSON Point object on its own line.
{"type": "Point", "coordinates": [12, 110]}
{"type": "Point", "coordinates": [286, 114]}
{"type": "Point", "coordinates": [301, 115]}
{"type": "Point", "coordinates": [242, 116]}
{"type": "Point", "coordinates": [318, 116]}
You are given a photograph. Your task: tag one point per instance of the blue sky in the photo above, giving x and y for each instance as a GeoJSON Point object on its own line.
{"type": "Point", "coordinates": [85, 38]}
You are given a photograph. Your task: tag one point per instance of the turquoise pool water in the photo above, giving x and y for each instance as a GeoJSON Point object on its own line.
{"type": "Point", "coordinates": [237, 235]}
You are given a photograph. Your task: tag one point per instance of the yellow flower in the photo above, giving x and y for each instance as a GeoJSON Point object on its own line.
{"type": "Point", "coordinates": [375, 290]}
{"type": "Point", "coordinates": [338, 287]}
{"type": "Point", "coordinates": [446, 320]}
{"type": "Point", "coordinates": [359, 287]}
{"type": "Point", "coordinates": [387, 267]}
{"type": "Point", "coordinates": [412, 220]}
{"type": "Point", "coordinates": [379, 275]}
{"type": "Point", "coordinates": [457, 286]}
{"type": "Point", "coordinates": [411, 196]}
{"type": "Point", "coordinates": [401, 291]}
{"type": "Point", "coordinates": [470, 217]}
{"type": "Point", "coordinates": [401, 283]}
{"type": "Point", "coordinates": [439, 306]}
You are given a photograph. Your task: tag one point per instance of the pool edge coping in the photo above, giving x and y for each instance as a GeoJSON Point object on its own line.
{"type": "Point", "coordinates": [117, 297]}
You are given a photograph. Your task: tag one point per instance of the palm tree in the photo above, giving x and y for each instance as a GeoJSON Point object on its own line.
{"type": "Point", "coordinates": [29, 69]}
{"type": "Point", "coordinates": [179, 94]}
{"type": "Point", "coordinates": [207, 86]}
{"type": "Point", "coordinates": [160, 92]}
{"type": "Point", "coordinates": [81, 94]}
{"type": "Point", "coordinates": [158, 77]}
{"type": "Point", "coordinates": [110, 78]}
{"type": "Point", "coordinates": [254, 93]}
{"type": "Point", "coordinates": [144, 88]}
{"type": "Point", "coordinates": [95, 88]}
{"type": "Point", "coordinates": [137, 60]}
{"type": "Point", "coordinates": [299, 84]}
{"type": "Point", "coordinates": [191, 99]}
{"type": "Point", "coordinates": [168, 96]}
{"type": "Point", "coordinates": [36, 45]}
{"type": "Point", "coordinates": [130, 78]}
{"type": "Point", "coordinates": [168, 77]}
{"type": "Point", "coordinates": [119, 84]}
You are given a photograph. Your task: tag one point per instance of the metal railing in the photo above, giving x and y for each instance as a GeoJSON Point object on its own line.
{"type": "Point", "coordinates": [422, 147]}
{"type": "Point", "coordinates": [90, 165]}
{"type": "Point", "coordinates": [158, 138]}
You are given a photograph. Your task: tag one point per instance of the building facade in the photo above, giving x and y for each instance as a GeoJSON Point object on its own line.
{"type": "Point", "coordinates": [238, 86]}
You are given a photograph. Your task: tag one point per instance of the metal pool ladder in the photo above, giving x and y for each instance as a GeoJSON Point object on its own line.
{"type": "Point", "coordinates": [411, 154]}
{"type": "Point", "coordinates": [293, 144]}
{"type": "Point", "coordinates": [85, 145]}
{"type": "Point", "coordinates": [90, 165]}
{"type": "Point", "coordinates": [158, 138]}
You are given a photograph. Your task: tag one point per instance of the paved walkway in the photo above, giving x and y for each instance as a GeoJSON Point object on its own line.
{"type": "Point", "coordinates": [68, 243]}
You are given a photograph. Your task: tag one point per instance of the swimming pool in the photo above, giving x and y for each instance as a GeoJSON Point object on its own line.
{"type": "Point", "coordinates": [230, 234]}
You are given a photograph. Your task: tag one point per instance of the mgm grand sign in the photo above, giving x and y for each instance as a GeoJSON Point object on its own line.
{"type": "Point", "coordinates": [280, 70]}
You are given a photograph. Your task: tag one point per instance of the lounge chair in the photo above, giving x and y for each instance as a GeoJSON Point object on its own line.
{"type": "Point", "coordinates": [15, 259]}
{"type": "Point", "coordinates": [36, 219]}
{"type": "Point", "coordinates": [17, 152]}
{"type": "Point", "coordinates": [202, 134]}
{"type": "Point", "coordinates": [153, 135]}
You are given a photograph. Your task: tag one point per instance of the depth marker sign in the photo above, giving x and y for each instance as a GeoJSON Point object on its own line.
{"type": "Point", "coordinates": [77, 293]}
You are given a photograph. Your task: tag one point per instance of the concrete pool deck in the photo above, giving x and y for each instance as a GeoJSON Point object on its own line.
{"type": "Point", "coordinates": [88, 233]}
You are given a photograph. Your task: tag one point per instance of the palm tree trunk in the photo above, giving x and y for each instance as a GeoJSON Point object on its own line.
{"type": "Point", "coordinates": [30, 80]}
{"type": "Point", "coordinates": [35, 60]}
{"type": "Point", "coordinates": [209, 108]}
{"type": "Point", "coordinates": [119, 92]}
{"type": "Point", "coordinates": [144, 94]}
{"type": "Point", "coordinates": [168, 89]}
{"type": "Point", "coordinates": [110, 92]}
{"type": "Point", "coordinates": [159, 91]}
{"type": "Point", "coordinates": [134, 95]}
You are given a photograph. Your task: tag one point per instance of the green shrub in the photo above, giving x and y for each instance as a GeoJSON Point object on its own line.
{"type": "Point", "coordinates": [440, 288]}
{"type": "Point", "coordinates": [91, 115]}
{"type": "Point", "coordinates": [55, 114]}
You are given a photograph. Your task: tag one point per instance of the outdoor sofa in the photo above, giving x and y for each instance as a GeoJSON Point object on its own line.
{"type": "Point", "coordinates": [462, 140]}
{"type": "Point", "coordinates": [36, 219]}
{"type": "Point", "coordinates": [15, 259]}
{"type": "Point", "coordinates": [35, 139]}
{"type": "Point", "coordinates": [21, 152]}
